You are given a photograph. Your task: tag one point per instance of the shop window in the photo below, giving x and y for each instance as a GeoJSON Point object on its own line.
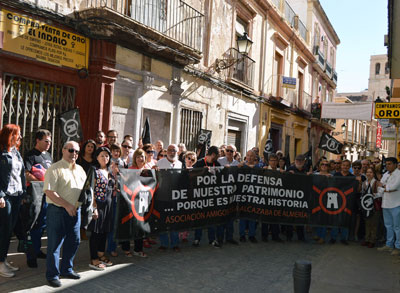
{"type": "Point", "coordinates": [377, 68]}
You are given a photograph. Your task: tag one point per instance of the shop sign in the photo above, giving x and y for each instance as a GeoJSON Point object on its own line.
{"type": "Point", "coordinates": [33, 38]}
{"type": "Point", "coordinates": [387, 110]}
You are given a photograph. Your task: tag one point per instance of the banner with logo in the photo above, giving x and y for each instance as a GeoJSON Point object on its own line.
{"type": "Point", "coordinates": [71, 128]}
{"type": "Point", "coordinates": [330, 144]}
{"type": "Point", "coordinates": [159, 201]}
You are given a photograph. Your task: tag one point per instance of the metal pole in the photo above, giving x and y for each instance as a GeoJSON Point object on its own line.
{"type": "Point", "coordinates": [397, 135]}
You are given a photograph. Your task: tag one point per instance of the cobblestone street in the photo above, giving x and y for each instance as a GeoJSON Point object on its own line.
{"type": "Point", "coordinates": [261, 267]}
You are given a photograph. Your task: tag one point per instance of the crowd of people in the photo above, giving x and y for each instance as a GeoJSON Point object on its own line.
{"type": "Point", "coordinates": [93, 170]}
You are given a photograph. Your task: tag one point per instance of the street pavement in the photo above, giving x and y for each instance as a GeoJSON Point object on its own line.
{"type": "Point", "coordinates": [248, 267]}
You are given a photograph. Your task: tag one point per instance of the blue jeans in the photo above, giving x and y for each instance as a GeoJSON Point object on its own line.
{"type": "Point", "coordinates": [164, 241]}
{"type": "Point", "coordinates": [321, 232]}
{"type": "Point", "coordinates": [242, 228]}
{"type": "Point", "coordinates": [211, 233]}
{"type": "Point", "coordinates": [37, 232]}
{"type": "Point", "coordinates": [8, 218]}
{"type": "Point", "coordinates": [61, 229]}
{"type": "Point", "coordinates": [228, 227]}
{"type": "Point", "coordinates": [344, 233]}
{"type": "Point", "coordinates": [391, 217]}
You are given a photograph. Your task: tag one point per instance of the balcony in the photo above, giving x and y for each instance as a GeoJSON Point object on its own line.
{"type": "Point", "coordinates": [331, 122]}
{"type": "Point", "coordinates": [328, 69]}
{"type": "Point", "coordinates": [371, 146]}
{"type": "Point", "coordinates": [306, 100]}
{"type": "Point", "coordinates": [302, 30]}
{"type": "Point", "coordinates": [334, 77]}
{"type": "Point", "coordinates": [242, 71]}
{"type": "Point", "coordinates": [289, 14]}
{"type": "Point", "coordinates": [349, 135]}
{"type": "Point", "coordinates": [170, 29]}
{"type": "Point", "coordinates": [320, 57]}
{"type": "Point", "coordinates": [280, 94]}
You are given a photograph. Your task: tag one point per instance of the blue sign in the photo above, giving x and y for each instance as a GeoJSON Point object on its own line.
{"type": "Point", "coordinates": [289, 82]}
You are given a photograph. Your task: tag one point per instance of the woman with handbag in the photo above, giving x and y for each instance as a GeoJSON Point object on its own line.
{"type": "Point", "coordinates": [370, 186]}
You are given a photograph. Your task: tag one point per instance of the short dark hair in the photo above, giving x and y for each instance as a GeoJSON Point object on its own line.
{"type": "Point", "coordinates": [391, 159]}
{"type": "Point", "coordinates": [213, 150]}
{"type": "Point", "coordinates": [300, 158]}
{"type": "Point", "coordinates": [357, 163]}
{"type": "Point", "coordinates": [111, 130]}
{"type": "Point", "coordinates": [272, 156]}
{"type": "Point", "coordinates": [40, 133]}
{"type": "Point", "coordinates": [97, 153]}
{"type": "Point", "coordinates": [127, 135]}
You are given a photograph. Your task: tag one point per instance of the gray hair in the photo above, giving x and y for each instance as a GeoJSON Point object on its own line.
{"type": "Point", "coordinates": [69, 142]}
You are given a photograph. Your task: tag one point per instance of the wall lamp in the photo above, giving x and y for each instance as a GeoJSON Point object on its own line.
{"type": "Point", "coordinates": [340, 132]}
{"type": "Point", "coordinates": [244, 45]}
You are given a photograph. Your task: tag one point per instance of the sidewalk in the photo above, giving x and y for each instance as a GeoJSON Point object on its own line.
{"type": "Point", "coordinates": [261, 267]}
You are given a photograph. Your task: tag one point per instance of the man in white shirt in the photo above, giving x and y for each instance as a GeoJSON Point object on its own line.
{"type": "Point", "coordinates": [391, 206]}
{"type": "Point", "coordinates": [63, 183]}
{"type": "Point", "coordinates": [170, 162]}
{"type": "Point", "coordinates": [228, 160]}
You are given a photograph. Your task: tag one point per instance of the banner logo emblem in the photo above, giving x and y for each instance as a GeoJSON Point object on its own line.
{"type": "Point", "coordinates": [141, 209]}
{"type": "Point", "coordinates": [367, 203]}
{"type": "Point", "coordinates": [332, 200]}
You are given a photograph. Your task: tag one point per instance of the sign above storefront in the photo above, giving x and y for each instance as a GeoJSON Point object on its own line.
{"type": "Point", "coordinates": [288, 82]}
{"type": "Point", "coordinates": [33, 38]}
{"type": "Point", "coordinates": [387, 110]}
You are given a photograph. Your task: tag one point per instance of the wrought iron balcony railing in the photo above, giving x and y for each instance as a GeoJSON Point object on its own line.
{"type": "Point", "coordinates": [334, 76]}
{"type": "Point", "coordinates": [289, 13]}
{"type": "Point", "coordinates": [306, 100]}
{"type": "Point", "coordinates": [320, 57]}
{"type": "Point", "coordinates": [243, 70]}
{"type": "Point", "coordinates": [302, 30]}
{"type": "Point", "coordinates": [331, 122]}
{"type": "Point", "coordinates": [328, 69]}
{"type": "Point", "coordinates": [173, 18]}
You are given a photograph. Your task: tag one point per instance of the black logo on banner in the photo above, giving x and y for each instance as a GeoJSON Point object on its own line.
{"type": "Point", "coordinates": [142, 203]}
{"type": "Point", "coordinates": [71, 126]}
{"type": "Point", "coordinates": [330, 144]}
{"type": "Point", "coordinates": [367, 204]}
{"type": "Point", "coordinates": [332, 201]}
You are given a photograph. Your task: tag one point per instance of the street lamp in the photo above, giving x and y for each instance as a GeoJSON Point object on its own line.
{"type": "Point", "coordinates": [244, 44]}
{"type": "Point", "coordinates": [340, 132]}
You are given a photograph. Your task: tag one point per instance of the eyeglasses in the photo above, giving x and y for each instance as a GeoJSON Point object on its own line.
{"type": "Point", "coordinates": [337, 163]}
{"type": "Point", "coordinates": [324, 164]}
{"type": "Point", "coordinates": [172, 150]}
{"type": "Point", "coordinates": [356, 167]}
{"type": "Point", "coordinates": [126, 146]}
{"type": "Point", "coordinates": [228, 150]}
{"type": "Point", "coordinates": [73, 151]}
{"type": "Point", "coordinates": [149, 152]}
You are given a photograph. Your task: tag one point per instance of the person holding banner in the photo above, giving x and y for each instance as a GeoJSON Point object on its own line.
{"type": "Point", "coordinates": [323, 170]}
{"type": "Point", "coordinates": [63, 184]}
{"type": "Point", "coordinates": [251, 162]}
{"type": "Point", "coordinates": [390, 185]}
{"type": "Point", "coordinates": [210, 160]}
{"type": "Point", "coordinates": [12, 189]}
{"type": "Point", "coordinates": [228, 160]}
{"type": "Point", "coordinates": [171, 161]}
{"type": "Point", "coordinates": [370, 186]}
{"type": "Point", "coordinates": [38, 156]}
{"type": "Point", "coordinates": [101, 221]}
{"type": "Point", "coordinates": [344, 232]}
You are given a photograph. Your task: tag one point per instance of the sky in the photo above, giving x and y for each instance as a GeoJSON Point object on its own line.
{"type": "Point", "coordinates": [361, 26]}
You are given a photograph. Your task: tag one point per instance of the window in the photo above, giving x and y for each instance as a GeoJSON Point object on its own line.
{"type": "Point", "coordinates": [325, 48]}
{"type": "Point", "coordinates": [190, 127]}
{"type": "Point", "coordinates": [332, 57]}
{"type": "Point", "coordinates": [34, 104]}
{"type": "Point", "coordinates": [387, 68]}
{"type": "Point", "coordinates": [317, 35]}
{"type": "Point", "coordinates": [377, 68]}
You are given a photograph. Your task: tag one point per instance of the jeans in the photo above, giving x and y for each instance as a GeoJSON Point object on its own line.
{"type": "Point", "coordinates": [37, 232]}
{"type": "Point", "coordinates": [321, 232]}
{"type": "Point", "coordinates": [344, 233]}
{"type": "Point", "coordinates": [8, 218]}
{"type": "Point", "coordinates": [61, 229]}
{"type": "Point", "coordinates": [274, 230]}
{"type": "Point", "coordinates": [164, 241]}
{"type": "Point", "coordinates": [391, 217]}
{"type": "Point", "coordinates": [211, 233]}
{"type": "Point", "coordinates": [228, 227]}
{"type": "Point", "coordinates": [252, 228]}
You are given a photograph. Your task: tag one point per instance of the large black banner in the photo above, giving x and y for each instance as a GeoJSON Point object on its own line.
{"type": "Point", "coordinates": [330, 144]}
{"type": "Point", "coordinates": [158, 201]}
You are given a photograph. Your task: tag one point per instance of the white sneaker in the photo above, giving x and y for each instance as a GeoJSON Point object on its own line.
{"type": "Point", "coordinates": [5, 271]}
{"type": "Point", "coordinates": [385, 248]}
{"type": "Point", "coordinates": [13, 269]}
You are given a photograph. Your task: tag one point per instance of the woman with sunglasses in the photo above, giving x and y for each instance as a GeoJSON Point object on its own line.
{"type": "Point", "coordinates": [190, 159]}
{"type": "Point", "coordinates": [126, 148]}
{"type": "Point", "coordinates": [149, 150]}
{"type": "Point", "coordinates": [86, 155]}
{"type": "Point", "coordinates": [12, 188]}
{"type": "Point", "coordinates": [323, 170]}
{"type": "Point", "coordinates": [162, 154]}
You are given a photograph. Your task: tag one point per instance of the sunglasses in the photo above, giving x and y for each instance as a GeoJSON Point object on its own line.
{"type": "Point", "coordinates": [324, 164]}
{"type": "Point", "coordinates": [230, 151]}
{"type": "Point", "coordinates": [337, 163]}
{"type": "Point", "coordinates": [357, 168]}
{"type": "Point", "coordinates": [126, 146]}
{"type": "Point", "coordinates": [149, 152]}
{"type": "Point", "coordinates": [191, 159]}
{"type": "Point", "coordinates": [73, 151]}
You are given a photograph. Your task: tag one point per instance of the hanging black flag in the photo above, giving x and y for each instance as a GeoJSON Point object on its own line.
{"type": "Point", "coordinates": [308, 155]}
{"type": "Point", "coordinates": [287, 161]}
{"type": "Point", "coordinates": [383, 165]}
{"type": "Point", "coordinates": [269, 148]}
{"type": "Point", "coordinates": [146, 135]}
{"type": "Point", "coordinates": [71, 128]}
{"type": "Point", "coordinates": [330, 144]}
{"type": "Point", "coordinates": [203, 142]}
